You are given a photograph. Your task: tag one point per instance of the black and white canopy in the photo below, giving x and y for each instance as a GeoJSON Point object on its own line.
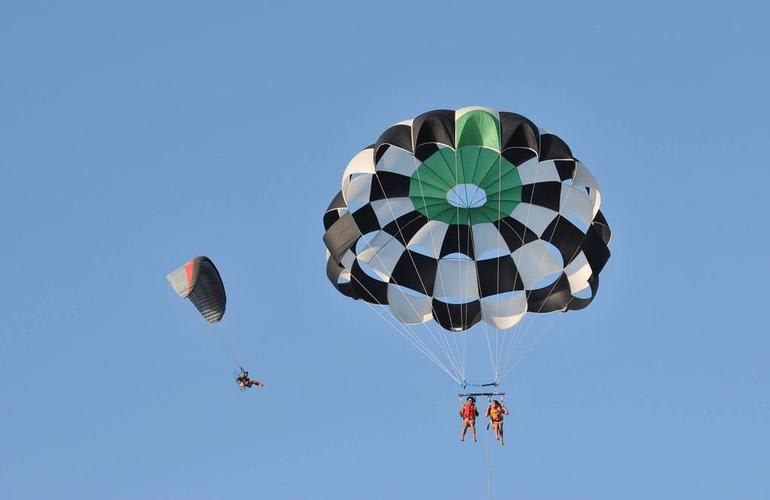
{"type": "Point", "coordinates": [467, 216]}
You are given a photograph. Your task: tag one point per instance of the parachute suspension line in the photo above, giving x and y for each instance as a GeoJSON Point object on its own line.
{"type": "Point", "coordinates": [413, 334]}
{"type": "Point", "coordinates": [548, 328]}
{"type": "Point", "coordinates": [409, 335]}
{"type": "Point", "coordinates": [440, 275]}
{"type": "Point", "coordinates": [466, 319]}
{"type": "Point", "coordinates": [517, 336]}
{"type": "Point", "coordinates": [440, 339]}
{"type": "Point", "coordinates": [499, 339]}
{"type": "Point", "coordinates": [459, 278]}
{"type": "Point", "coordinates": [509, 339]}
{"type": "Point", "coordinates": [523, 334]}
{"type": "Point", "coordinates": [520, 341]}
{"type": "Point", "coordinates": [497, 275]}
{"type": "Point", "coordinates": [514, 333]}
{"type": "Point", "coordinates": [468, 249]}
{"type": "Point", "coordinates": [496, 363]}
{"type": "Point", "coordinates": [463, 341]}
{"type": "Point", "coordinates": [404, 331]}
{"type": "Point", "coordinates": [492, 360]}
{"type": "Point", "coordinates": [464, 181]}
{"type": "Point", "coordinates": [462, 346]}
{"type": "Point", "coordinates": [520, 332]}
{"type": "Point", "coordinates": [516, 339]}
{"type": "Point", "coordinates": [534, 343]}
{"type": "Point", "coordinates": [231, 344]}
{"type": "Point", "coordinates": [495, 357]}
{"type": "Point", "coordinates": [452, 356]}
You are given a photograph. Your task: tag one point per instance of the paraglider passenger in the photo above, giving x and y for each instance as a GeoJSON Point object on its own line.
{"type": "Point", "coordinates": [469, 413]}
{"type": "Point", "coordinates": [495, 412]}
{"type": "Point", "coordinates": [244, 381]}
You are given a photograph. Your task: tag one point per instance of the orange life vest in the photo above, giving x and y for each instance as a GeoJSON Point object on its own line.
{"type": "Point", "coordinates": [496, 413]}
{"type": "Point", "coordinates": [469, 411]}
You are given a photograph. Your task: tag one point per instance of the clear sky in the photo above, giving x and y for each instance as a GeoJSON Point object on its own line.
{"type": "Point", "coordinates": [135, 136]}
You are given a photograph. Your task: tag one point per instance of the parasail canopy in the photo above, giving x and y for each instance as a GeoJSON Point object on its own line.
{"type": "Point", "coordinates": [463, 216]}
{"type": "Point", "coordinates": [467, 216]}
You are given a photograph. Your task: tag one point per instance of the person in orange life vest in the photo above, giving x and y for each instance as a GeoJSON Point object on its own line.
{"type": "Point", "coordinates": [469, 413]}
{"type": "Point", "coordinates": [495, 412]}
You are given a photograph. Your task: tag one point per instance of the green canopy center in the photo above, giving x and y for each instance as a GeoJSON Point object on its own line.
{"type": "Point", "coordinates": [471, 185]}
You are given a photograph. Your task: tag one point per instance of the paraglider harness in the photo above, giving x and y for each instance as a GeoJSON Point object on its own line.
{"type": "Point", "coordinates": [243, 380]}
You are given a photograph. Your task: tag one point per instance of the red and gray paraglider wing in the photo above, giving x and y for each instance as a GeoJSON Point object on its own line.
{"type": "Point", "coordinates": [199, 281]}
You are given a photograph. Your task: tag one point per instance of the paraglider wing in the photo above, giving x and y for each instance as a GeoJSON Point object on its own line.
{"type": "Point", "coordinates": [199, 281]}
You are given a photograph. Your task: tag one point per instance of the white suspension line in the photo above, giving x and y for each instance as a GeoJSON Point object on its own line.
{"type": "Point", "coordinates": [553, 286]}
{"type": "Point", "coordinates": [409, 328]}
{"type": "Point", "coordinates": [450, 356]}
{"type": "Point", "coordinates": [407, 334]}
{"type": "Point", "coordinates": [442, 335]}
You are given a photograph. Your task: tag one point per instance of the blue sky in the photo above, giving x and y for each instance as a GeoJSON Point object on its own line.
{"type": "Point", "coordinates": [136, 136]}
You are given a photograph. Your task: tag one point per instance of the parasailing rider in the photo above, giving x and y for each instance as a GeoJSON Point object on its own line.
{"type": "Point", "coordinates": [495, 412]}
{"type": "Point", "coordinates": [469, 413]}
